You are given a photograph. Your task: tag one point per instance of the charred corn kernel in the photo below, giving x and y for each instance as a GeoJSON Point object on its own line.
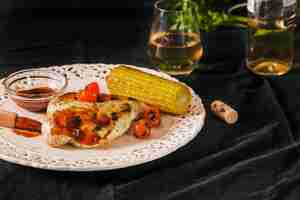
{"type": "Point", "coordinates": [169, 96]}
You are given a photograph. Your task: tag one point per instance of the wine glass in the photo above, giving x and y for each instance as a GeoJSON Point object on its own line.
{"type": "Point", "coordinates": [174, 44]}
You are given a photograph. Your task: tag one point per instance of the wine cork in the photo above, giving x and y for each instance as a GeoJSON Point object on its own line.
{"type": "Point", "coordinates": [224, 111]}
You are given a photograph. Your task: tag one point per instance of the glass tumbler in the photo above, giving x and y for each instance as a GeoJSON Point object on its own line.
{"type": "Point", "coordinates": [174, 44]}
{"type": "Point", "coordinates": [271, 40]}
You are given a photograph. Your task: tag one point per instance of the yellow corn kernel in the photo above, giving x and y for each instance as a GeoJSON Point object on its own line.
{"type": "Point", "coordinates": [169, 96]}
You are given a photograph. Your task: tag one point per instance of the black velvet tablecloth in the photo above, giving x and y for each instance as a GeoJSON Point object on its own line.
{"type": "Point", "coordinates": [257, 158]}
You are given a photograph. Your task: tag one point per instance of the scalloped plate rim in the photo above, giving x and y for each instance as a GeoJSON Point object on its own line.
{"type": "Point", "coordinates": [195, 130]}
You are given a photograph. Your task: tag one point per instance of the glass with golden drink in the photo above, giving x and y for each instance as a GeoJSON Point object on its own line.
{"type": "Point", "coordinates": [174, 43]}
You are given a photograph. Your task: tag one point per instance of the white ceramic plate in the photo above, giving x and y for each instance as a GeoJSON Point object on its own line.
{"type": "Point", "coordinates": [127, 151]}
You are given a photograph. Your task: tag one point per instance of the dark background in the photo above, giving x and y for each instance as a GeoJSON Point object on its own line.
{"type": "Point", "coordinates": [75, 7]}
{"type": "Point", "coordinates": [258, 158]}
{"type": "Point", "coordinates": [84, 31]}
{"type": "Point", "coordinates": [79, 31]}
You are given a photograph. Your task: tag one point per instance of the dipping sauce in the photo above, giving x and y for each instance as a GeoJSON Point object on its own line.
{"type": "Point", "coordinates": [35, 99]}
{"type": "Point", "coordinates": [36, 92]}
{"type": "Point", "coordinates": [32, 89]}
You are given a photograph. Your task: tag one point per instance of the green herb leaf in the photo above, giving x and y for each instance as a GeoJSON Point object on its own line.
{"type": "Point", "coordinates": [207, 13]}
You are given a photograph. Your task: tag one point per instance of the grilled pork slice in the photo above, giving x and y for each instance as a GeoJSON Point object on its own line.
{"type": "Point", "coordinates": [88, 125]}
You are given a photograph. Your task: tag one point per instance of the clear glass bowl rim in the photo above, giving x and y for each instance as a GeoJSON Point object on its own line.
{"type": "Point", "coordinates": [14, 92]}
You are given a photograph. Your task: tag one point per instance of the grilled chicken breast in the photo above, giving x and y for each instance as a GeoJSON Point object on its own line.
{"type": "Point", "coordinates": [88, 125]}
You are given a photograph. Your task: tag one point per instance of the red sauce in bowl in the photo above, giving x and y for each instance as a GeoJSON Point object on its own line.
{"type": "Point", "coordinates": [35, 99]}
{"type": "Point", "coordinates": [36, 92]}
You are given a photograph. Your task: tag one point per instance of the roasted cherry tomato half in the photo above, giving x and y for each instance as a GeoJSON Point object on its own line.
{"type": "Point", "coordinates": [140, 129]}
{"type": "Point", "coordinates": [152, 116]}
{"type": "Point", "coordinates": [103, 119]}
{"type": "Point", "coordinates": [90, 93]}
{"type": "Point", "coordinates": [89, 139]}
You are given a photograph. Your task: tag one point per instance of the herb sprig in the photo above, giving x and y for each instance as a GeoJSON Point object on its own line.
{"type": "Point", "coordinates": [208, 13]}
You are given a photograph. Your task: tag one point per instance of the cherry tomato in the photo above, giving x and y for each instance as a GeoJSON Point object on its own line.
{"type": "Point", "coordinates": [140, 129]}
{"type": "Point", "coordinates": [83, 96]}
{"type": "Point", "coordinates": [61, 118]}
{"type": "Point", "coordinates": [152, 116]}
{"type": "Point", "coordinates": [61, 131]}
{"type": "Point", "coordinates": [89, 139]}
{"type": "Point", "coordinates": [88, 136]}
{"type": "Point", "coordinates": [103, 119]}
{"type": "Point", "coordinates": [90, 93]}
{"type": "Point", "coordinates": [93, 88]}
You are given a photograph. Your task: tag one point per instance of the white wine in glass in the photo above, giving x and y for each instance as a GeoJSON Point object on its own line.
{"type": "Point", "coordinates": [174, 43]}
{"type": "Point", "coordinates": [271, 40]}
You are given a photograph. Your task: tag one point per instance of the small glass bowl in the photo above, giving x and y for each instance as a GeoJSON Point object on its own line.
{"type": "Point", "coordinates": [32, 89]}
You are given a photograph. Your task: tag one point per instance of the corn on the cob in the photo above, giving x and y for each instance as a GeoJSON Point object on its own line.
{"type": "Point", "coordinates": [169, 96]}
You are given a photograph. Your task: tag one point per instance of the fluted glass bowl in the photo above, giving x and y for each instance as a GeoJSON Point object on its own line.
{"type": "Point", "coordinates": [32, 89]}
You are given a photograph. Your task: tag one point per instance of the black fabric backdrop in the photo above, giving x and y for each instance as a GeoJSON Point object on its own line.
{"type": "Point", "coordinates": [258, 158]}
{"type": "Point", "coordinates": [82, 8]}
